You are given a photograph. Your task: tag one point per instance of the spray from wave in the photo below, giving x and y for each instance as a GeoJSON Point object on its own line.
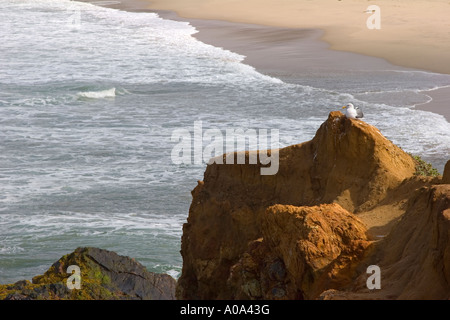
{"type": "Point", "coordinates": [109, 93]}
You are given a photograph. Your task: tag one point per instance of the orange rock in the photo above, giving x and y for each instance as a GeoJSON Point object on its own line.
{"type": "Point", "coordinates": [414, 258]}
{"type": "Point", "coordinates": [236, 245]}
{"type": "Point", "coordinates": [304, 250]}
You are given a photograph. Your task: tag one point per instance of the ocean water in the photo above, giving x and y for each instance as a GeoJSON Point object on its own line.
{"type": "Point", "coordinates": [90, 97]}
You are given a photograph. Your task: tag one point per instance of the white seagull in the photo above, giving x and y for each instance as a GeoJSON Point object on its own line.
{"type": "Point", "coordinates": [353, 112]}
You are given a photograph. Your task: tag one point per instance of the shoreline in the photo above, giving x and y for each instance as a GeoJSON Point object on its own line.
{"type": "Point", "coordinates": [412, 33]}
{"type": "Point", "coordinates": [283, 52]}
{"type": "Point", "coordinates": [440, 102]}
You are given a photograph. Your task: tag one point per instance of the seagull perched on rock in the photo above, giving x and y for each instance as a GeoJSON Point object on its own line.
{"type": "Point", "coordinates": [353, 112]}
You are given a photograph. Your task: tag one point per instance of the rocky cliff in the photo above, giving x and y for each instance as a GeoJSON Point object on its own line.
{"type": "Point", "coordinates": [311, 230]}
{"type": "Point", "coordinates": [103, 275]}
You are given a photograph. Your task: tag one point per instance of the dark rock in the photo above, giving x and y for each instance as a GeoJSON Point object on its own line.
{"type": "Point", "coordinates": [277, 270]}
{"type": "Point", "coordinates": [103, 275]}
{"type": "Point", "coordinates": [132, 278]}
{"type": "Point", "coordinates": [57, 289]}
{"type": "Point", "coordinates": [20, 285]}
{"type": "Point", "coordinates": [446, 175]}
{"type": "Point", "coordinates": [278, 292]}
{"type": "Point", "coordinates": [17, 296]}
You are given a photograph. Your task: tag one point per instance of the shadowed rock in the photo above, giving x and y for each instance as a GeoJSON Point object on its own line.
{"type": "Point", "coordinates": [446, 176]}
{"type": "Point", "coordinates": [104, 275]}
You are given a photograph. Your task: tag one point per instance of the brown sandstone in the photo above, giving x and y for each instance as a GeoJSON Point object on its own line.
{"type": "Point", "coordinates": [313, 226]}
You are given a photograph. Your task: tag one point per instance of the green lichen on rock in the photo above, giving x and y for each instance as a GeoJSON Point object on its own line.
{"type": "Point", "coordinates": [104, 275]}
{"type": "Point", "coordinates": [424, 168]}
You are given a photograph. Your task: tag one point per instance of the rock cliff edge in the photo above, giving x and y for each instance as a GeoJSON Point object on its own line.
{"type": "Point", "coordinates": [347, 199]}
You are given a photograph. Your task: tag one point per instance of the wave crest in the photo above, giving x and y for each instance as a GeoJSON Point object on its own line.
{"type": "Point", "coordinates": [109, 93]}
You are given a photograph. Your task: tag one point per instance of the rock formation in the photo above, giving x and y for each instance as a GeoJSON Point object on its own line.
{"type": "Point", "coordinates": [311, 230]}
{"type": "Point", "coordinates": [104, 275]}
{"type": "Point", "coordinates": [446, 176]}
{"type": "Point", "coordinates": [415, 257]}
{"type": "Point", "coordinates": [346, 200]}
{"type": "Point", "coordinates": [303, 250]}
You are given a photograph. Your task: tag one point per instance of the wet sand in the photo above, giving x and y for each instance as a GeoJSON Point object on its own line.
{"type": "Point", "coordinates": [412, 33]}
{"type": "Point", "coordinates": [440, 103]}
{"type": "Point", "coordinates": [286, 52]}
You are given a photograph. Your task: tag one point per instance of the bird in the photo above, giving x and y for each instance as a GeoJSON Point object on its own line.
{"type": "Point", "coordinates": [353, 112]}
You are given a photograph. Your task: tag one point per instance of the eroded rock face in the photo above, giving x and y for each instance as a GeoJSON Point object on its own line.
{"type": "Point", "coordinates": [414, 259]}
{"type": "Point", "coordinates": [104, 275]}
{"type": "Point", "coordinates": [348, 162]}
{"type": "Point", "coordinates": [298, 234]}
{"type": "Point", "coordinates": [416, 254]}
{"type": "Point", "coordinates": [354, 164]}
{"type": "Point", "coordinates": [304, 250]}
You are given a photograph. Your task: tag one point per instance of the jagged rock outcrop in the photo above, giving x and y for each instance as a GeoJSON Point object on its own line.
{"type": "Point", "coordinates": [247, 235]}
{"type": "Point", "coordinates": [303, 250]}
{"type": "Point", "coordinates": [104, 275]}
{"type": "Point", "coordinates": [415, 257]}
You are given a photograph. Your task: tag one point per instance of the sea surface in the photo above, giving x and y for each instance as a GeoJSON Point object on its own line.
{"type": "Point", "coordinates": [90, 98]}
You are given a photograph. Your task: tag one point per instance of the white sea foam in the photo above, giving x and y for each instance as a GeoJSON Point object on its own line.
{"type": "Point", "coordinates": [173, 273]}
{"type": "Point", "coordinates": [140, 39]}
{"type": "Point", "coordinates": [109, 93]}
{"type": "Point", "coordinates": [10, 250]}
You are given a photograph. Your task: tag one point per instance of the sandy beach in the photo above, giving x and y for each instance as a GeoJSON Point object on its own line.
{"type": "Point", "coordinates": [412, 33]}
{"type": "Point", "coordinates": [281, 38]}
{"type": "Point", "coordinates": [285, 52]}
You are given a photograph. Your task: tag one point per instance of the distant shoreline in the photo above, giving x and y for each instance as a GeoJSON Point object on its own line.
{"type": "Point", "coordinates": [412, 34]}
{"type": "Point", "coordinates": [274, 50]}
